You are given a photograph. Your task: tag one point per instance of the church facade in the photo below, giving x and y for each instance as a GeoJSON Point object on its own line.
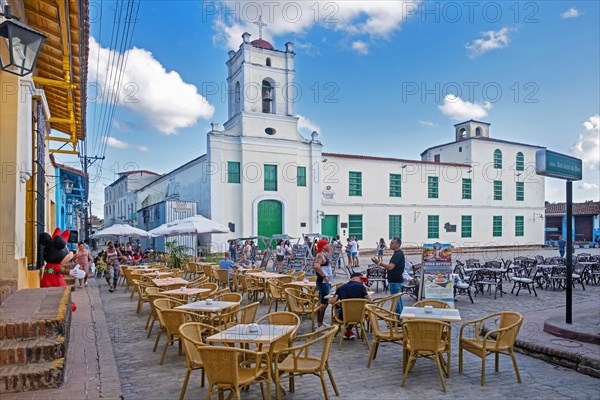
{"type": "Point", "coordinates": [262, 177]}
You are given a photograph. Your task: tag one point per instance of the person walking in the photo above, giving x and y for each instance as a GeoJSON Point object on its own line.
{"type": "Point", "coordinates": [280, 255]}
{"type": "Point", "coordinates": [562, 243]}
{"type": "Point", "coordinates": [380, 249]}
{"type": "Point", "coordinates": [111, 258]}
{"type": "Point", "coordinates": [354, 251]}
{"type": "Point", "coordinates": [322, 267]}
{"type": "Point", "coordinates": [395, 270]}
{"type": "Point", "coordinates": [83, 258]}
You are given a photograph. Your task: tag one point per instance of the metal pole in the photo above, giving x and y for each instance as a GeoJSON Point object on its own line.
{"type": "Point", "coordinates": [569, 252]}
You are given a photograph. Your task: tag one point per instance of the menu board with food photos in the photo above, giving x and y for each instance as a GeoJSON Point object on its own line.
{"type": "Point", "coordinates": [436, 274]}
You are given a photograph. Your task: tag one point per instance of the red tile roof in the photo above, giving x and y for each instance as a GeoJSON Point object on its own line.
{"type": "Point", "coordinates": [66, 168]}
{"type": "Point", "coordinates": [141, 171]}
{"type": "Point", "coordinates": [587, 208]}
{"type": "Point", "coordinates": [359, 157]}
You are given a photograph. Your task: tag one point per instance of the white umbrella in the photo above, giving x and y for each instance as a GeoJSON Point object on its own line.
{"type": "Point", "coordinates": [121, 230]}
{"type": "Point", "coordinates": [192, 225]}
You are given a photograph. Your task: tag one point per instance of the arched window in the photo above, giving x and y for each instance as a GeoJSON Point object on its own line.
{"type": "Point", "coordinates": [478, 131]}
{"type": "Point", "coordinates": [267, 97]}
{"type": "Point", "coordinates": [268, 62]}
{"type": "Point", "coordinates": [462, 133]}
{"type": "Point", "coordinates": [237, 98]}
{"type": "Point", "coordinates": [520, 162]}
{"type": "Point", "coordinates": [497, 159]}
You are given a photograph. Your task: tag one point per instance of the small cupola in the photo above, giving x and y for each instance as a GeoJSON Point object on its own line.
{"type": "Point", "coordinates": [471, 129]}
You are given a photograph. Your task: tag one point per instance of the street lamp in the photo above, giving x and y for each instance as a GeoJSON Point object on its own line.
{"type": "Point", "coordinates": [19, 45]}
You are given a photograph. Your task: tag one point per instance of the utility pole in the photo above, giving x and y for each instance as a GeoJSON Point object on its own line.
{"type": "Point", "coordinates": [88, 161]}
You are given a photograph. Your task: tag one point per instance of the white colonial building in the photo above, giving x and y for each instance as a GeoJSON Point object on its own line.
{"type": "Point", "coordinates": [120, 200]}
{"type": "Point", "coordinates": [262, 177]}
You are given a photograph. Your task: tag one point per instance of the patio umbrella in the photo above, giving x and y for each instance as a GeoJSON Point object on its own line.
{"type": "Point", "coordinates": [192, 225]}
{"type": "Point", "coordinates": [121, 230]}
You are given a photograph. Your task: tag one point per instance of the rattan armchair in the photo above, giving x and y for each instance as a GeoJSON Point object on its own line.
{"type": "Point", "coordinates": [277, 294]}
{"type": "Point", "coordinates": [281, 318]}
{"type": "Point", "coordinates": [298, 361]}
{"type": "Point", "coordinates": [173, 319]}
{"type": "Point", "coordinates": [153, 316]}
{"type": "Point", "coordinates": [447, 335]}
{"type": "Point", "coordinates": [423, 339]}
{"type": "Point", "coordinates": [192, 335]}
{"type": "Point", "coordinates": [253, 287]}
{"type": "Point", "coordinates": [350, 312]}
{"type": "Point", "coordinates": [240, 315]}
{"type": "Point", "coordinates": [498, 341]}
{"type": "Point", "coordinates": [225, 371]}
{"type": "Point", "coordinates": [229, 296]}
{"type": "Point", "coordinates": [392, 333]}
{"type": "Point", "coordinates": [161, 305]}
{"type": "Point", "coordinates": [301, 304]}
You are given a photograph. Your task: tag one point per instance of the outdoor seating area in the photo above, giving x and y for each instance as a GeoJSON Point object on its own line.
{"type": "Point", "coordinates": [263, 327]}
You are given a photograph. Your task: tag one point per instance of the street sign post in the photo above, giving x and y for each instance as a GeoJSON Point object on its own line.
{"type": "Point", "coordinates": [556, 165]}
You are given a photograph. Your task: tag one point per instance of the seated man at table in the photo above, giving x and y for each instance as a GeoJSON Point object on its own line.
{"type": "Point", "coordinates": [227, 263]}
{"type": "Point", "coordinates": [353, 289]}
{"type": "Point", "coordinates": [244, 262]}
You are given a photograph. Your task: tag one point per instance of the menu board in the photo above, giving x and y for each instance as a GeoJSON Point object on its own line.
{"type": "Point", "coordinates": [436, 274]}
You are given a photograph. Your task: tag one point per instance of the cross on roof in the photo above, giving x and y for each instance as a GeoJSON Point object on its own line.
{"type": "Point", "coordinates": [260, 25]}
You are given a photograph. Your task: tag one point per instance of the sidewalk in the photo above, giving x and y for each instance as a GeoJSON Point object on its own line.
{"type": "Point", "coordinates": [91, 369]}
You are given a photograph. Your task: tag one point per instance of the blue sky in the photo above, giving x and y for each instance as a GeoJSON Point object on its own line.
{"type": "Point", "coordinates": [374, 77]}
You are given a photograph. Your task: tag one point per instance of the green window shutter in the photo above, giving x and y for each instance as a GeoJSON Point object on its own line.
{"type": "Point", "coordinates": [497, 190]}
{"type": "Point", "coordinates": [520, 191]}
{"type": "Point", "coordinates": [497, 226]}
{"type": "Point", "coordinates": [433, 226]}
{"type": "Point", "coordinates": [355, 225]}
{"type": "Point", "coordinates": [233, 172]}
{"type": "Point", "coordinates": [520, 162]}
{"type": "Point", "coordinates": [519, 225]}
{"type": "Point", "coordinates": [497, 159]}
{"type": "Point", "coordinates": [395, 185]}
{"type": "Point", "coordinates": [301, 176]}
{"type": "Point", "coordinates": [271, 177]}
{"type": "Point", "coordinates": [395, 226]}
{"type": "Point", "coordinates": [432, 187]}
{"type": "Point", "coordinates": [466, 188]}
{"type": "Point", "coordinates": [355, 179]}
{"type": "Point", "coordinates": [466, 226]}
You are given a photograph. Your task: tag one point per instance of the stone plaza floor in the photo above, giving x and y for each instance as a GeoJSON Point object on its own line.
{"type": "Point", "coordinates": [142, 377]}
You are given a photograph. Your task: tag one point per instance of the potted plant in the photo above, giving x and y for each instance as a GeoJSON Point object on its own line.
{"type": "Point", "coordinates": [176, 254]}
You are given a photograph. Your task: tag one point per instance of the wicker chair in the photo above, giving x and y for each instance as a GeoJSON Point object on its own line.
{"type": "Point", "coordinates": [253, 287]}
{"type": "Point", "coordinates": [277, 294]}
{"type": "Point", "coordinates": [300, 275]}
{"type": "Point", "coordinates": [301, 304]}
{"type": "Point", "coordinates": [140, 288]}
{"type": "Point", "coordinates": [505, 336]}
{"type": "Point", "coordinates": [161, 305]}
{"type": "Point", "coordinates": [234, 297]}
{"type": "Point", "coordinates": [224, 278]}
{"type": "Point", "coordinates": [241, 315]}
{"type": "Point", "coordinates": [173, 319]}
{"type": "Point", "coordinates": [197, 282]}
{"type": "Point", "coordinates": [281, 318]}
{"type": "Point", "coordinates": [423, 339]}
{"type": "Point", "coordinates": [191, 334]}
{"type": "Point", "coordinates": [352, 313]}
{"type": "Point", "coordinates": [393, 333]}
{"type": "Point", "coordinates": [298, 361]}
{"type": "Point", "coordinates": [153, 316]}
{"type": "Point", "coordinates": [447, 336]}
{"type": "Point", "coordinates": [225, 371]}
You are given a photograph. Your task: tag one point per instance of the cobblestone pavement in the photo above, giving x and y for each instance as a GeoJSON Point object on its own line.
{"type": "Point", "coordinates": [142, 377]}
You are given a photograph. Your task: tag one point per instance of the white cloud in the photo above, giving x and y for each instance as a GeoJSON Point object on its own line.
{"type": "Point", "coordinates": [148, 89]}
{"type": "Point", "coordinates": [490, 40]}
{"type": "Point", "coordinates": [570, 13]}
{"type": "Point", "coordinates": [427, 123]}
{"type": "Point", "coordinates": [143, 149]}
{"type": "Point", "coordinates": [456, 108]}
{"type": "Point", "coordinates": [372, 19]}
{"type": "Point", "coordinates": [360, 47]}
{"type": "Point", "coordinates": [116, 143]}
{"type": "Point", "coordinates": [588, 186]}
{"type": "Point", "coordinates": [306, 124]}
{"type": "Point", "coordinates": [587, 146]}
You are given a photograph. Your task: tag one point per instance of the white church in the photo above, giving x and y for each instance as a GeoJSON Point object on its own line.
{"type": "Point", "coordinates": [262, 177]}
